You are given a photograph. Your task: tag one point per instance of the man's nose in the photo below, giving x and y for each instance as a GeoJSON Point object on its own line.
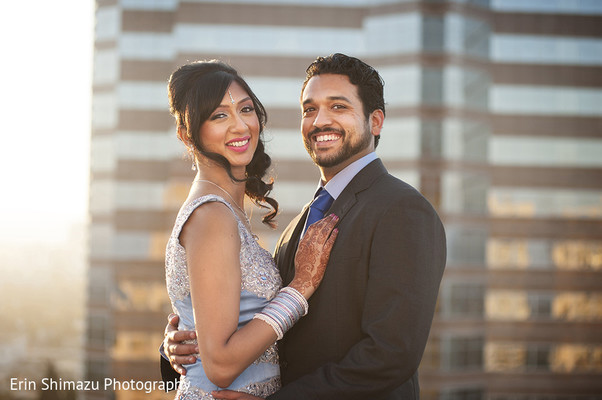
{"type": "Point", "coordinates": [323, 118]}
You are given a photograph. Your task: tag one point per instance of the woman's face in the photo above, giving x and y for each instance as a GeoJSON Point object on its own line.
{"type": "Point", "coordinates": [232, 129]}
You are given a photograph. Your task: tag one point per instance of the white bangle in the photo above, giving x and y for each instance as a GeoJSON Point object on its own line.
{"type": "Point", "coordinates": [284, 310]}
{"type": "Point", "coordinates": [297, 295]}
{"type": "Point", "coordinates": [273, 324]}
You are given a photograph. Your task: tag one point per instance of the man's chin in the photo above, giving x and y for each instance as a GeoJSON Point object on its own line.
{"type": "Point", "coordinates": [328, 162]}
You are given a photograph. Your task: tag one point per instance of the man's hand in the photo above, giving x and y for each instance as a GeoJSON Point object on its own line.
{"type": "Point", "coordinates": [178, 353]}
{"type": "Point", "coordinates": [232, 395]}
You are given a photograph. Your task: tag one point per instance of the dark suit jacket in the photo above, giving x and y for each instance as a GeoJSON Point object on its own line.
{"type": "Point", "coordinates": [369, 320]}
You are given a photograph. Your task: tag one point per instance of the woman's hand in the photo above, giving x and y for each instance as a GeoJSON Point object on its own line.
{"type": "Point", "coordinates": [313, 254]}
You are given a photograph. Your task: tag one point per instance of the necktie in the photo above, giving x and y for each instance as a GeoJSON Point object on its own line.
{"type": "Point", "coordinates": [318, 207]}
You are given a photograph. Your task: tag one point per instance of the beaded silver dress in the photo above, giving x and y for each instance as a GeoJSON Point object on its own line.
{"type": "Point", "coordinates": [260, 282]}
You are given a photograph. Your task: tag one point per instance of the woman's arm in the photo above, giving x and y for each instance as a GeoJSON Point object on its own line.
{"type": "Point", "coordinates": [212, 243]}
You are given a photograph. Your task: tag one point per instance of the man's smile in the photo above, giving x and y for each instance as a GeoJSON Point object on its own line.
{"type": "Point", "coordinates": [326, 137]}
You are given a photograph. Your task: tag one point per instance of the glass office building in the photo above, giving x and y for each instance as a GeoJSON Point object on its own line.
{"type": "Point", "coordinates": [494, 112]}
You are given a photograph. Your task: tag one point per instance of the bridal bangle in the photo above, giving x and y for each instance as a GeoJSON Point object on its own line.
{"type": "Point", "coordinates": [284, 310]}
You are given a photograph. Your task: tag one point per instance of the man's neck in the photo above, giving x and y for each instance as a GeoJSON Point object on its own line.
{"type": "Point", "coordinates": [339, 182]}
{"type": "Point", "coordinates": [327, 173]}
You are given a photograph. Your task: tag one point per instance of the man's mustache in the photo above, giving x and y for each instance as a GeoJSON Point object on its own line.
{"type": "Point", "coordinates": [315, 131]}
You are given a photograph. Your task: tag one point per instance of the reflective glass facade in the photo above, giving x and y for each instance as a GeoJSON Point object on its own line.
{"type": "Point", "coordinates": [542, 296]}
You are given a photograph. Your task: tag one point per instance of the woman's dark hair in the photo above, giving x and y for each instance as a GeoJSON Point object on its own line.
{"type": "Point", "coordinates": [370, 85]}
{"type": "Point", "coordinates": [195, 90]}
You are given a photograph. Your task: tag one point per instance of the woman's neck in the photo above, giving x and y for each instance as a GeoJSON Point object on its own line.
{"type": "Point", "coordinates": [220, 180]}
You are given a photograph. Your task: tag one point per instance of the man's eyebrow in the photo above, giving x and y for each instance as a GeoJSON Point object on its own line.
{"type": "Point", "coordinates": [331, 98]}
{"type": "Point", "coordinates": [339, 98]}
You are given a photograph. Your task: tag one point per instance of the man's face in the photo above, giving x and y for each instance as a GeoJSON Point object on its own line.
{"type": "Point", "coordinates": [335, 130]}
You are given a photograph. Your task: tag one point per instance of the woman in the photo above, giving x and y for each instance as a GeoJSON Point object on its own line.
{"type": "Point", "coordinates": [220, 281]}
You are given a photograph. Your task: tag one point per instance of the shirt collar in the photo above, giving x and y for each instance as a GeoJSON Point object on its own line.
{"type": "Point", "coordinates": [340, 181]}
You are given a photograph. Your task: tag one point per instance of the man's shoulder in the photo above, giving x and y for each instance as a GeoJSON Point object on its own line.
{"type": "Point", "coordinates": [390, 191]}
{"type": "Point", "coordinates": [394, 186]}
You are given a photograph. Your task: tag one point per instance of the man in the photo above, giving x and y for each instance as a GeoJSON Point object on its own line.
{"type": "Point", "coordinates": [370, 318]}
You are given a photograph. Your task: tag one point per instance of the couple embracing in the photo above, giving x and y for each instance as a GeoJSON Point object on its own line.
{"type": "Point", "coordinates": [344, 307]}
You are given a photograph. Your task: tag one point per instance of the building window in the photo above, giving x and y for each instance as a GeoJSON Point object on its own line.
{"type": "Point", "coordinates": [538, 357]}
{"type": "Point", "coordinates": [465, 140]}
{"type": "Point", "coordinates": [465, 193]}
{"type": "Point", "coordinates": [540, 305]}
{"type": "Point", "coordinates": [577, 255]}
{"type": "Point", "coordinates": [468, 36]}
{"type": "Point", "coordinates": [567, 358]}
{"type": "Point", "coordinates": [545, 152]}
{"type": "Point", "coordinates": [99, 333]}
{"type": "Point", "coordinates": [463, 300]}
{"type": "Point", "coordinates": [544, 202]}
{"type": "Point", "coordinates": [504, 356]}
{"type": "Point", "coordinates": [508, 254]}
{"type": "Point", "coordinates": [550, 100]}
{"type": "Point", "coordinates": [462, 394]}
{"type": "Point", "coordinates": [463, 353]}
{"type": "Point", "coordinates": [96, 370]}
{"type": "Point", "coordinates": [577, 306]}
{"type": "Point", "coordinates": [507, 305]}
{"type": "Point", "coordinates": [139, 346]}
{"type": "Point", "coordinates": [548, 6]}
{"type": "Point", "coordinates": [532, 49]}
{"type": "Point", "coordinates": [99, 286]}
{"type": "Point", "coordinates": [466, 246]}
{"type": "Point", "coordinates": [523, 396]}
{"type": "Point", "coordinates": [141, 295]}
{"type": "Point", "coordinates": [466, 88]}
{"type": "Point", "coordinates": [541, 254]}
{"type": "Point", "coordinates": [533, 357]}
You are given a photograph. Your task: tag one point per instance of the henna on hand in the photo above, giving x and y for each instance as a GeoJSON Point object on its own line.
{"type": "Point", "coordinates": [313, 254]}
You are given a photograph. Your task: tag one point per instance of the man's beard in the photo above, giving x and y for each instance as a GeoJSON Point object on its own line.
{"type": "Point", "coordinates": [347, 150]}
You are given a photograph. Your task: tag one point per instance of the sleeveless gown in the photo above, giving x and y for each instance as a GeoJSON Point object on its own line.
{"type": "Point", "coordinates": [260, 282]}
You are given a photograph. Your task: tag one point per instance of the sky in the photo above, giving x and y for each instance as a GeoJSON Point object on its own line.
{"type": "Point", "coordinates": [45, 107]}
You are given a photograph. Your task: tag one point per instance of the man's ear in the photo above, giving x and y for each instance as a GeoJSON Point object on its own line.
{"type": "Point", "coordinates": [376, 119]}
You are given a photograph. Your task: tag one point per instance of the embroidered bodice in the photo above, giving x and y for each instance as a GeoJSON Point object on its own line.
{"type": "Point", "coordinates": [260, 282]}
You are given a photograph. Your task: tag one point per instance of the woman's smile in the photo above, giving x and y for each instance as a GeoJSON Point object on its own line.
{"type": "Point", "coordinates": [239, 145]}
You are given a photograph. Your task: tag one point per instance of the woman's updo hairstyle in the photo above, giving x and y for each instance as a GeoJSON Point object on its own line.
{"type": "Point", "coordinates": [195, 90]}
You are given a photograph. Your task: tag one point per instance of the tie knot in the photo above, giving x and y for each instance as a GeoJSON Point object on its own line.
{"type": "Point", "coordinates": [323, 201]}
{"type": "Point", "coordinates": [318, 207]}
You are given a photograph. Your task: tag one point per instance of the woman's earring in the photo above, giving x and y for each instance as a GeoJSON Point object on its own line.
{"type": "Point", "coordinates": [194, 166]}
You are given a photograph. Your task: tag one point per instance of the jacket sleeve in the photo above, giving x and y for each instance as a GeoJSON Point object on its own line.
{"type": "Point", "coordinates": [407, 259]}
{"type": "Point", "coordinates": [168, 374]}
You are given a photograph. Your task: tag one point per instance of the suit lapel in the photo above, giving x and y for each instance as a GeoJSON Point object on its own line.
{"type": "Point", "coordinates": [362, 181]}
{"type": "Point", "coordinates": [287, 246]}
